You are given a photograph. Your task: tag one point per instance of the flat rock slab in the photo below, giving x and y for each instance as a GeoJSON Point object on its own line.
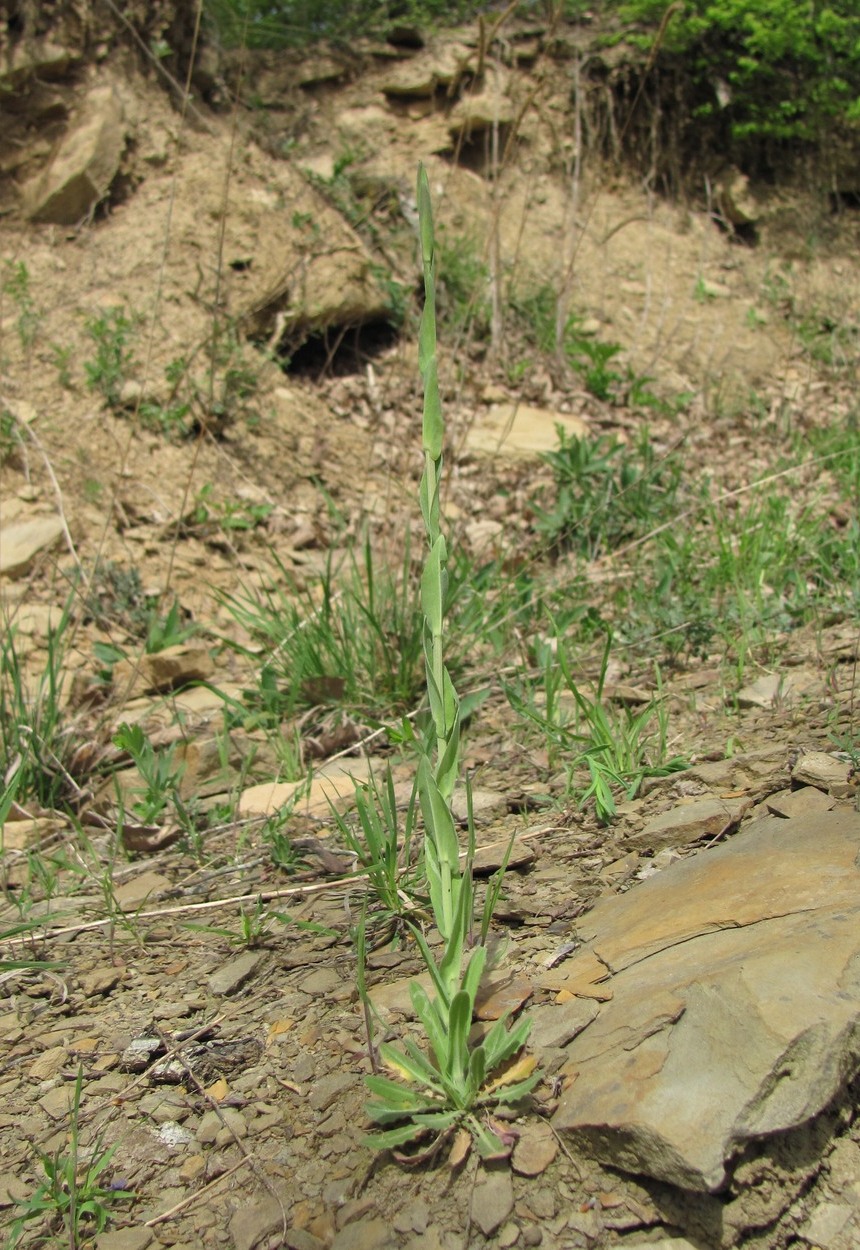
{"type": "Point", "coordinates": [22, 541]}
{"type": "Point", "coordinates": [705, 818]}
{"type": "Point", "coordinates": [735, 999]}
{"type": "Point", "coordinates": [233, 975]}
{"type": "Point", "coordinates": [520, 431]}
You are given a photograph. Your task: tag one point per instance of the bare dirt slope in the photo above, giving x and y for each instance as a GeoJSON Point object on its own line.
{"type": "Point", "coordinates": [208, 388]}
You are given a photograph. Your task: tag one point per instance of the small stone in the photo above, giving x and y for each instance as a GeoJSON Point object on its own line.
{"type": "Point", "coordinates": [249, 1225]}
{"type": "Point", "coordinates": [323, 981]}
{"type": "Point", "coordinates": [843, 1165]}
{"type": "Point", "coordinates": [354, 1209]}
{"type": "Point", "coordinates": [57, 1103]}
{"type": "Point", "coordinates": [221, 1126]}
{"type": "Point", "coordinates": [21, 543]}
{"type": "Point", "coordinates": [822, 770]}
{"type": "Point", "coordinates": [373, 1234]}
{"type": "Point", "coordinates": [489, 859]}
{"type": "Point", "coordinates": [519, 431]}
{"type": "Point", "coordinates": [509, 1236]}
{"type": "Point", "coordinates": [790, 803]}
{"type": "Point", "coordinates": [84, 164]}
{"type": "Point", "coordinates": [826, 1223]}
{"type": "Point", "coordinates": [49, 1064]}
{"type": "Point", "coordinates": [532, 1236]}
{"type": "Point", "coordinates": [301, 1239]}
{"type": "Point", "coordinates": [131, 894]}
{"type": "Point", "coordinates": [328, 1089]}
{"type": "Point", "coordinates": [492, 1200]}
{"type": "Point", "coordinates": [765, 692]}
{"type": "Point", "coordinates": [554, 1025]}
{"type": "Point", "coordinates": [487, 805]}
{"type": "Point", "coordinates": [163, 671]}
{"type": "Point", "coordinates": [688, 822]}
{"type": "Point", "coordinates": [192, 1169]}
{"type": "Point", "coordinates": [125, 1239]}
{"type": "Point", "coordinates": [100, 981]}
{"type": "Point", "coordinates": [232, 976]}
{"type": "Point", "coordinates": [173, 1135]}
{"type": "Point", "coordinates": [501, 994]}
{"type": "Point", "coordinates": [535, 1150]}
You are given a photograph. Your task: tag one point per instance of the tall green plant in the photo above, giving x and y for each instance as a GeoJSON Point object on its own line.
{"type": "Point", "coordinates": [438, 1092]}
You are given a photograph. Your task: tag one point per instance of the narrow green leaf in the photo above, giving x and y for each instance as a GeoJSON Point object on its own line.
{"type": "Point", "coordinates": [425, 217]}
{"type": "Point", "coordinates": [394, 1137]}
{"type": "Point", "coordinates": [502, 1043]}
{"type": "Point", "coordinates": [474, 972]}
{"type": "Point", "coordinates": [433, 586]}
{"type": "Point", "coordinates": [413, 1065]}
{"type": "Point", "coordinates": [437, 1034]}
{"type": "Point", "coordinates": [477, 1070]}
{"type": "Point", "coordinates": [459, 1023]}
{"type": "Point", "coordinates": [513, 1093]}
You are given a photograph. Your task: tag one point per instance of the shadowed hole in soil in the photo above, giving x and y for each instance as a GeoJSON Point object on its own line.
{"type": "Point", "coordinates": [475, 152]}
{"type": "Point", "coordinates": [842, 201]}
{"type": "Point", "coordinates": [340, 350]}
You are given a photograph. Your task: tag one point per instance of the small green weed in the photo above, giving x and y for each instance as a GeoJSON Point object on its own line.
{"type": "Point", "coordinates": [358, 645]}
{"type": "Point", "coordinates": [160, 774]}
{"type": "Point", "coordinates": [703, 292]}
{"type": "Point", "coordinates": [172, 420]}
{"type": "Point", "coordinates": [238, 514]}
{"type": "Point", "coordinates": [605, 493]}
{"type": "Point", "coordinates": [464, 291]}
{"type": "Point", "coordinates": [110, 332]}
{"type": "Point", "coordinates": [16, 284]}
{"type": "Point", "coordinates": [63, 357]}
{"type": "Point", "coordinates": [115, 596]}
{"type": "Point", "coordinates": [382, 843]}
{"type": "Point", "coordinates": [71, 1196]}
{"type": "Point", "coordinates": [11, 440]}
{"type": "Point", "coordinates": [534, 312]}
{"type": "Point", "coordinates": [257, 925]}
{"type": "Point", "coordinates": [167, 631]}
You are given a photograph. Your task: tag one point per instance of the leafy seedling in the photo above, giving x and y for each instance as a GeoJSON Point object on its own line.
{"type": "Point", "coordinates": [71, 1194]}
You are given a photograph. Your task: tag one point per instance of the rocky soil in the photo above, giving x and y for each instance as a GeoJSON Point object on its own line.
{"type": "Point", "coordinates": [206, 383]}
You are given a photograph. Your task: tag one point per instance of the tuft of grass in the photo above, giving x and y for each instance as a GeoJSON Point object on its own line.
{"type": "Point", "coordinates": [382, 843]}
{"type": "Point", "coordinates": [604, 749]}
{"type": "Point", "coordinates": [34, 737]}
{"type": "Point", "coordinates": [354, 642]}
{"type": "Point", "coordinates": [257, 925]}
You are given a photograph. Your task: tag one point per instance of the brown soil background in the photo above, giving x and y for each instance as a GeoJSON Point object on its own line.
{"type": "Point", "coordinates": [257, 1126]}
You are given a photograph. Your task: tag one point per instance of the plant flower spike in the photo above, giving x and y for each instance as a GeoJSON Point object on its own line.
{"type": "Point", "coordinates": [452, 1087]}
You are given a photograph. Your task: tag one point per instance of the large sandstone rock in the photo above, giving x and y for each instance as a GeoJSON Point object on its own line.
{"type": "Point", "coordinates": [84, 165]}
{"type": "Point", "coordinates": [430, 70]}
{"type": "Point", "coordinates": [311, 273]}
{"type": "Point", "coordinates": [733, 1012]}
{"type": "Point", "coordinates": [38, 58]}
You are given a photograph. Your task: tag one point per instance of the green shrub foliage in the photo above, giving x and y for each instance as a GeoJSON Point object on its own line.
{"type": "Point", "coordinates": [765, 73]}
